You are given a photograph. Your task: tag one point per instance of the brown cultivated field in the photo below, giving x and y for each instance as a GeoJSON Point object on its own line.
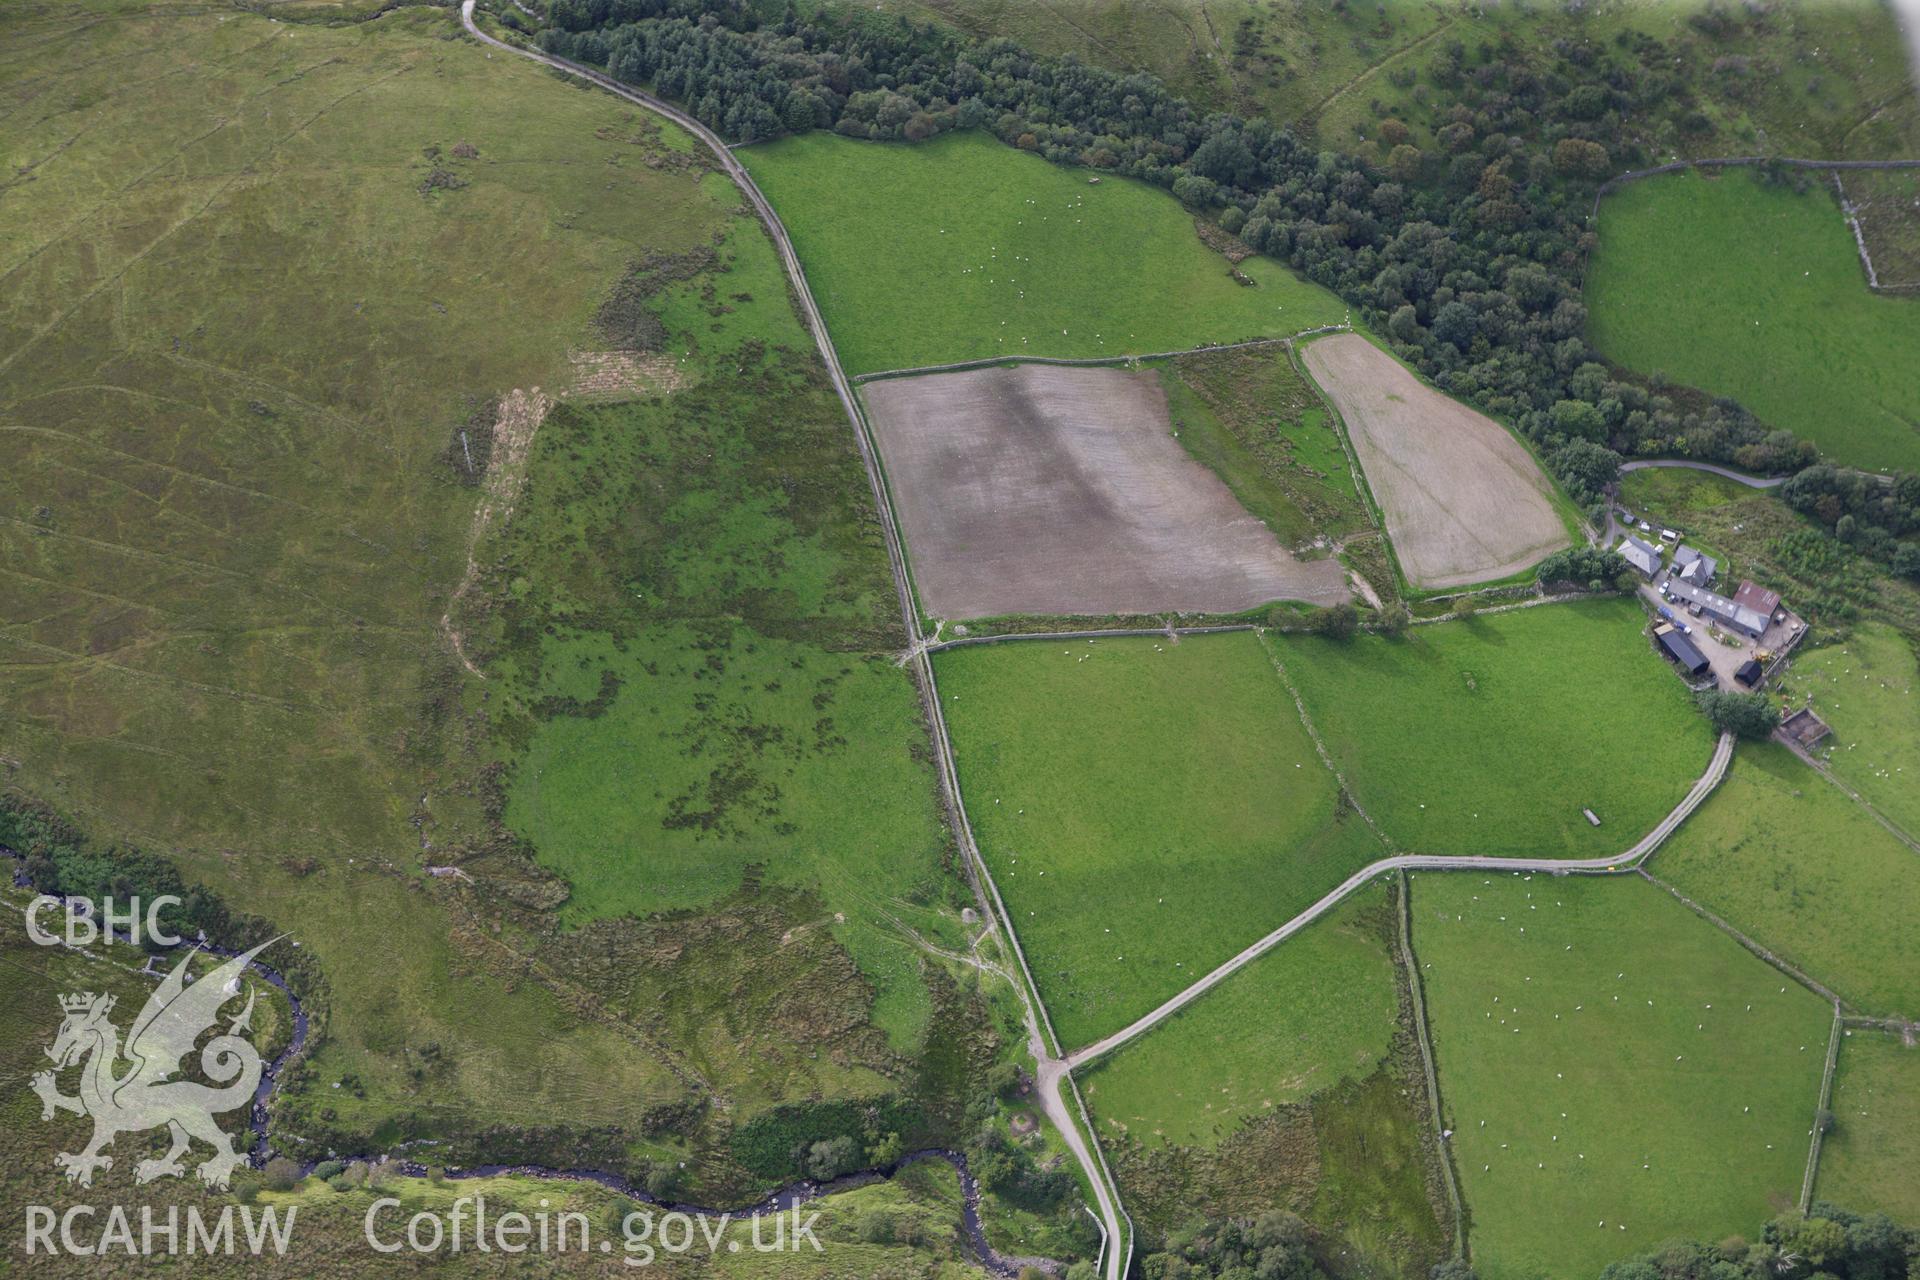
{"type": "Point", "coordinates": [1048, 490]}
{"type": "Point", "coordinates": [1463, 500]}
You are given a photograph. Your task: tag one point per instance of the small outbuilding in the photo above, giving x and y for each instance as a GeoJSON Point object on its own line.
{"type": "Point", "coordinates": [1682, 650]}
{"type": "Point", "coordinates": [1749, 674]}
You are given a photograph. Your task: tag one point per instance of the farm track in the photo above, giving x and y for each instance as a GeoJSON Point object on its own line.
{"type": "Point", "coordinates": [1042, 1040]}
{"type": "Point", "coordinates": [1728, 473]}
{"type": "Point", "coordinates": [1716, 770]}
{"type": "Point", "coordinates": [1054, 1067]}
{"type": "Point", "coordinates": [1319, 109]}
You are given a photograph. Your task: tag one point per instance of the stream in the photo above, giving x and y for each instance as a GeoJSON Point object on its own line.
{"type": "Point", "coordinates": [787, 1197]}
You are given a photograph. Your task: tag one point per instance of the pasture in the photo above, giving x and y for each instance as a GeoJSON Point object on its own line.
{"type": "Point", "coordinates": [1776, 312]}
{"type": "Point", "coordinates": [1616, 1071]}
{"type": "Point", "coordinates": [1464, 501]}
{"type": "Point", "coordinates": [1063, 491]}
{"type": "Point", "coordinates": [1319, 1009]}
{"type": "Point", "coordinates": [1256, 420]}
{"type": "Point", "coordinates": [1867, 1161]}
{"type": "Point", "coordinates": [1295, 1083]}
{"type": "Point", "coordinates": [1886, 204]}
{"type": "Point", "coordinates": [689, 626]}
{"type": "Point", "coordinates": [1147, 808]}
{"type": "Point", "coordinates": [1786, 858]}
{"type": "Point", "coordinates": [1867, 689]}
{"type": "Point", "coordinates": [905, 1225]}
{"type": "Point", "coordinates": [251, 296]}
{"type": "Point", "coordinates": [964, 248]}
{"type": "Point", "coordinates": [390, 477]}
{"type": "Point", "coordinates": [1489, 736]}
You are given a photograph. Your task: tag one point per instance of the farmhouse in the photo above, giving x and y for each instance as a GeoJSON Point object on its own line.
{"type": "Point", "coordinates": [1728, 613]}
{"type": "Point", "coordinates": [1643, 556]}
{"type": "Point", "coordinates": [1694, 567]}
{"type": "Point", "coordinates": [1681, 650]}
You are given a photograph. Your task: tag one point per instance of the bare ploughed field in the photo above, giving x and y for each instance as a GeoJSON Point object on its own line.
{"type": "Point", "coordinates": [1464, 501]}
{"type": "Point", "coordinates": [1047, 490]}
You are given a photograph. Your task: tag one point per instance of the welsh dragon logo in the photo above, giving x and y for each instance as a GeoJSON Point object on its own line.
{"type": "Point", "coordinates": [145, 1095]}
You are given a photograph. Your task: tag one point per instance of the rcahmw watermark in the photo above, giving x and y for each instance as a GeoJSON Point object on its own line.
{"type": "Point", "coordinates": [85, 1230]}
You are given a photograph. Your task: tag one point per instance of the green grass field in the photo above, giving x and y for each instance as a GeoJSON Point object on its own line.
{"type": "Point", "coordinates": [905, 1226]}
{"type": "Point", "coordinates": [1616, 1071]}
{"type": "Point", "coordinates": [1658, 490]}
{"type": "Point", "coordinates": [1787, 859]}
{"type": "Point", "coordinates": [715, 568]}
{"type": "Point", "coordinates": [1867, 689]}
{"type": "Point", "coordinates": [1776, 312]}
{"type": "Point", "coordinates": [1320, 1008]}
{"type": "Point", "coordinates": [1490, 736]}
{"type": "Point", "coordinates": [238, 341]}
{"type": "Point", "coordinates": [1257, 421]}
{"type": "Point", "coordinates": [691, 626]}
{"type": "Point", "coordinates": [1294, 1084]}
{"type": "Point", "coordinates": [1868, 1161]}
{"type": "Point", "coordinates": [963, 248]}
{"type": "Point", "coordinates": [260, 296]}
{"type": "Point", "coordinates": [1147, 808]}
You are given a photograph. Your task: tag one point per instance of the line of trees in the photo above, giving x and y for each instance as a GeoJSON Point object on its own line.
{"type": "Point", "coordinates": [1473, 273]}
{"type": "Point", "coordinates": [1879, 516]}
{"type": "Point", "coordinates": [1828, 1243]}
{"type": "Point", "coordinates": [1591, 568]}
{"type": "Point", "coordinates": [1275, 1246]}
